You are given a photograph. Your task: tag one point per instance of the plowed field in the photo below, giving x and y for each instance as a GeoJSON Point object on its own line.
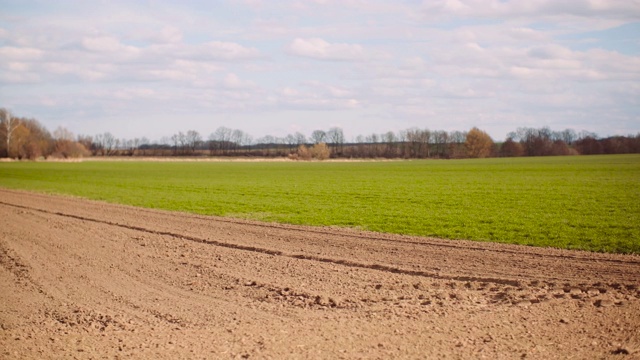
{"type": "Point", "coordinates": [83, 279]}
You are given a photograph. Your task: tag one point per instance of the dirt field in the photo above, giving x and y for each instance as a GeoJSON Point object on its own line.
{"type": "Point", "coordinates": [82, 279]}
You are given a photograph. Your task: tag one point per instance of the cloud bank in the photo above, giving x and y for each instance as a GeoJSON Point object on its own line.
{"type": "Point", "coordinates": [367, 66]}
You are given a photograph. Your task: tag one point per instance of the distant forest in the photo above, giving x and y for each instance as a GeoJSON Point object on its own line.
{"type": "Point", "coordinates": [24, 138]}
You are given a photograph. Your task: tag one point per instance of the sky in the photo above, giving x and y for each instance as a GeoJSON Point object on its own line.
{"type": "Point", "coordinates": [153, 68]}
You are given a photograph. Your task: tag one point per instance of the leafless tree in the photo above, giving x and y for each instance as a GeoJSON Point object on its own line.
{"type": "Point", "coordinates": [62, 133]}
{"type": "Point", "coordinates": [390, 140]}
{"type": "Point", "coordinates": [192, 140]}
{"type": "Point", "coordinates": [104, 144]}
{"type": "Point", "coordinates": [291, 142]}
{"type": "Point", "coordinates": [109, 142]}
{"type": "Point", "coordinates": [440, 139]}
{"type": "Point", "coordinates": [175, 140]}
{"type": "Point", "coordinates": [300, 138]}
{"type": "Point", "coordinates": [456, 144]}
{"type": "Point", "coordinates": [87, 142]}
{"type": "Point", "coordinates": [418, 141]}
{"type": "Point", "coordinates": [237, 139]}
{"type": "Point", "coordinates": [569, 136]}
{"type": "Point", "coordinates": [511, 148]}
{"type": "Point", "coordinates": [318, 136]}
{"type": "Point", "coordinates": [220, 140]}
{"type": "Point", "coordinates": [335, 137]}
{"type": "Point", "coordinates": [9, 125]}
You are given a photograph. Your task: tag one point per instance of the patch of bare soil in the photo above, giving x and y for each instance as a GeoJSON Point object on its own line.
{"type": "Point", "coordinates": [83, 279]}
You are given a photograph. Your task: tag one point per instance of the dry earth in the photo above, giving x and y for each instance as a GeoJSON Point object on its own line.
{"type": "Point", "coordinates": [84, 279]}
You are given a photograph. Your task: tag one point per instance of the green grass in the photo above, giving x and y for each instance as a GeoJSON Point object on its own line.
{"type": "Point", "coordinates": [581, 202]}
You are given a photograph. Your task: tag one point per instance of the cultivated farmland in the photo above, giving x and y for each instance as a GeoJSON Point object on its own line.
{"type": "Point", "coordinates": [93, 279]}
{"type": "Point", "coordinates": [85, 279]}
{"type": "Point", "coordinates": [587, 203]}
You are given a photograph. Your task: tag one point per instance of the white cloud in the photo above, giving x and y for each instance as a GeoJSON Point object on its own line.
{"type": "Point", "coordinates": [102, 44]}
{"type": "Point", "coordinates": [110, 49]}
{"type": "Point", "coordinates": [533, 8]}
{"type": "Point", "coordinates": [320, 49]}
{"type": "Point", "coordinates": [134, 93]}
{"type": "Point", "coordinates": [219, 50]}
{"type": "Point", "coordinates": [19, 78]}
{"type": "Point", "coordinates": [168, 34]}
{"type": "Point", "coordinates": [20, 53]}
{"type": "Point", "coordinates": [526, 34]}
{"type": "Point", "coordinates": [549, 52]}
{"type": "Point", "coordinates": [18, 66]}
{"type": "Point", "coordinates": [463, 91]}
{"type": "Point", "coordinates": [232, 81]}
{"type": "Point", "coordinates": [456, 62]}
{"type": "Point", "coordinates": [317, 96]}
{"type": "Point", "coordinates": [209, 51]}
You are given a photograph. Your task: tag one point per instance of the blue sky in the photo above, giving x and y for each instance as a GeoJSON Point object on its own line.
{"type": "Point", "coordinates": [153, 68]}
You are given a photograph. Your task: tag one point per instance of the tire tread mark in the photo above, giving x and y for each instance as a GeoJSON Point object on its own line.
{"type": "Point", "coordinates": [343, 262]}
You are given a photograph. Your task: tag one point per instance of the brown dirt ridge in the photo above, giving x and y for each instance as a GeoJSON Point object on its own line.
{"type": "Point", "coordinates": [85, 279]}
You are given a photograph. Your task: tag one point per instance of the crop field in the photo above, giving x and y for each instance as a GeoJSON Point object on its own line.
{"type": "Point", "coordinates": [94, 279]}
{"type": "Point", "coordinates": [582, 202]}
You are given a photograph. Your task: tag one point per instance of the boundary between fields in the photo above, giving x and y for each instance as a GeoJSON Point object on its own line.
{"type": "Point", "coordinates": [310, 229]}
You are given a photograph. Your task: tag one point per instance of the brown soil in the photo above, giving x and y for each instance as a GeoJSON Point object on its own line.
{"type": "Point", "coordinates": [84, 279]}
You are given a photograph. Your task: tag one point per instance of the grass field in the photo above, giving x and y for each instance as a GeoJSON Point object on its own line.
{"type": "Point", "coordinates": [581, 202]}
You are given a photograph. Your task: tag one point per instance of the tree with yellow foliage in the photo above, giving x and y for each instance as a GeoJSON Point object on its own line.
{"type": "Point", "coordinates": [478, 144]}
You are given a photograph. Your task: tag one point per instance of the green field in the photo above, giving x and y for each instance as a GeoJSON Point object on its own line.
{"type": "Point", "coordinates": [580, 202]}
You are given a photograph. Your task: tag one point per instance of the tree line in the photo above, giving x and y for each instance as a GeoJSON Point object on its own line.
{"type": "Point", "coordinates": [24, 138]}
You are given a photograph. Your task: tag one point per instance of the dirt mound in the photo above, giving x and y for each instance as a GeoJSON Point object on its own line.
{"type": "Point", "coordinates": [86, 279]}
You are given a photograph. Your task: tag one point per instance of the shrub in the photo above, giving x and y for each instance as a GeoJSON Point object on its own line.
{"type": "Point", "coordinates": [303, 153]}
{"type": "Point", "coordinates": [320, 151]}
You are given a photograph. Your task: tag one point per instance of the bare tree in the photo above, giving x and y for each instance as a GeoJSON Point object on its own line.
{"type": "Point", "coordinates": [143, 145]}
{"type": "Point", "coordinates": [98, 145]}
{"type": "Point", "coordinates": [127, 147]}
{"type": "Point", "coordinates": [361, 146]}
{"type": "Point", "coordinates": [65, 145]}
{"type": "Point", "coordinates": [457, 137]}
{"type": "Point", "coordinates": [237, 138]}
{"type": "Point", "coordinates": [536, 142]}
{"type": "Point", "coordinates": [267, 139]}
{"type": "Point", "coordinates": [9, 125]}
{"type": "Point", "coordinates": [390, 139]}
{"type": "Point", "coordinates": [175, 140]}
{"type": "Point", "coordinates": [87, 142]}
{"type": "Point", "coordinates": [109, 143]}
{"type": "Point", "coordinates": [104, 143]}
{"type": "Point", "coordinates": [511, 148]}
{"type": "Point", "coordinates": [40, 142]}
{"type": "Point", "coordinates": [300, 138]}
{"type": "Point", "coordinates": [193, 140]}
{"type": "Point", "coordinates": [373, 146]}
{"type": "Point", "coordinates": [335, 137]}
{"type": "Point", "coordinates": [569, 136]}
{"type": "Point", "coordinates": [440, 139]}
{"type": "Point", "coordinates": [62, 133]}
{"type": "Point", "coordinates": [246, 140]}
{"type": "Point", "coordinates": [318, 136]}
{"type": "Point", "coordinates": [588, 144]}
{"type": "Point", "coordinates": [291, 141]}
{"type": "Point", "coordinates": [418, 142]}
{"type": "Point", "coordinates": [135, 145]}
{"type": "Point", "coordinates": [63, 139]}
{"type": "Point", "coordinates": [222, 139]}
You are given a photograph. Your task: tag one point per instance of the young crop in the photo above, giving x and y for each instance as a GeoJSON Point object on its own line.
{"type": "Point", "coordinates": [580, 202]}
